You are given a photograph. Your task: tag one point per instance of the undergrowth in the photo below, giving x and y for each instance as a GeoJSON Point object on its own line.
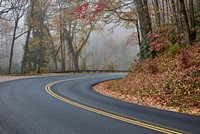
{"type": "Point", "coordinates": [172, 79]}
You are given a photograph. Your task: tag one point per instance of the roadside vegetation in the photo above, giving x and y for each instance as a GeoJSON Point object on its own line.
{"type": "Point", "coordinates": [170, 81]}
{"type": "Point", "coordinates": [167, 76]}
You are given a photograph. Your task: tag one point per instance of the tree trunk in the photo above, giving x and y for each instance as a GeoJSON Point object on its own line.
{"type": "Point", "coordinates": [12, 45]}
{"type": "Point", "coordinates": [74, 55]}
{"type": "Point", "coordinates": [145, 26]}
{"type": "Point", "coordinates": [61, 42]}
{"type": "Point", "coordinates": [163, 12]}
{"type": "Point", "coordinates": [174, 14]}
{"type": "Point", "coordinates": [24, 60]}
{"type": "Point", "coordinates": [156, 12]}
{"type": "Point", "coordinates": [138, 31]}
{"type": "Point", "coordinates": [179, 22]}
{"type": "Point", "coordinates": [192, 20]}
{"type": "Point", "coordinates": [53, 50]}
{"type": "Point", "coordinates": [167, 11]}
{"type": "Point", "coordinates": [40, 55]}
{"type": "Point", "coordinates": [147, 17]}
{"type": "Point", "coordinates": [185, 23]}
{"type": "Point", "coordinates": [41, 44]}
{"type": "Point", "coordinates": [30, 19]}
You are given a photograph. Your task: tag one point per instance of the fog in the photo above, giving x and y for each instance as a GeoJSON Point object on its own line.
{"type": "Point", "coordinates": [5, 46]}
{"type": "Point", "coordinates": [106, 50]}
{"type": "Point", "coordinates": [110, 49]}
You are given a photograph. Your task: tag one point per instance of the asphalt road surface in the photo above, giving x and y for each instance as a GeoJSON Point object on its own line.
{"type": "Point", "coordinates": [67, 105]}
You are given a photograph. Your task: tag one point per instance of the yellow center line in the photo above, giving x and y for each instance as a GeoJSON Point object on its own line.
{"type": "Point", "coordinates": [107, 114]}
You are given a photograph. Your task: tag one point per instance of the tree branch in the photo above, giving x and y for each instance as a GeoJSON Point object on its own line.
{"type": "Point", "coordinates": [21, 34]}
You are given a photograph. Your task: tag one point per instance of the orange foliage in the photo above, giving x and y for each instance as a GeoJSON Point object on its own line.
{"type": "Point", "coordinates": [168, 82]}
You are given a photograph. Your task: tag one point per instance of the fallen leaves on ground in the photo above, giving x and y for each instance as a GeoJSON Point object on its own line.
{"type": "Point", "coordinates": [166, 82]}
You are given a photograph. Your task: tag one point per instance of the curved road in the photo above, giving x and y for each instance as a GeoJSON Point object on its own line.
{"type": "Point", "coordinates": [67, 105]}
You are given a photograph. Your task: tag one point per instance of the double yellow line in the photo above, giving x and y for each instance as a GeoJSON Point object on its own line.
{"type": "Point", "coordinates": [107, 114]}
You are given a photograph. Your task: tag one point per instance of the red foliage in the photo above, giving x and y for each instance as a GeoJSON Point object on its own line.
{"type": "Point", "coordinates": [100, 6]}
{"type": "Point", "coordinates": [162, 38]}
{"type": "Point", "coordinates": [154, 42]}
{"type": "Point", "coordinates": [84, 11]}
{"type": "Point", "coordinates": [80, 11]}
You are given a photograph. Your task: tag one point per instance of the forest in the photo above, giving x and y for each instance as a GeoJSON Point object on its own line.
{"type": "Point", "coordinates": [167, 75]}
{"type": "Point", "coordinates": [57, 35]}
{"type": "Point", "coordinates": [54, 33]}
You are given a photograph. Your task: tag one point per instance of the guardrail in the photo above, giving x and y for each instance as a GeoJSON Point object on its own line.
{"type": "Point", "coordinates": [93, 71]}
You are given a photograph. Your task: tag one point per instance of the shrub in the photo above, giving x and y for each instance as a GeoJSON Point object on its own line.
{"type": "Point", "coordinates": [44, 70]}
{"type": "Point", "coordinates": [173, 50]}
{"type": "Point", "coordinates": [184, 58]}
{"type": "Point", "coordinates": [163, 38]}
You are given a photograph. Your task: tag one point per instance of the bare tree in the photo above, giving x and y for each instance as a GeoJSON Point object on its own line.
{"type": "Point", "coordinates": [5, 31]}
{"type": "Point", "coordinates": [74, 49]}
{"type": "Point", "coordinates": [61, 30]}
{"type": "Point", "coordinates": [5, 8]}
{"type": "Point", "coordinates": [17, 13]}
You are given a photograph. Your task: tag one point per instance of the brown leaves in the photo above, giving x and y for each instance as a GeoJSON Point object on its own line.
{"type": "Point", "coordinates": [184, 57]}
{"type": "Point", "coordinates": [170, 87]}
